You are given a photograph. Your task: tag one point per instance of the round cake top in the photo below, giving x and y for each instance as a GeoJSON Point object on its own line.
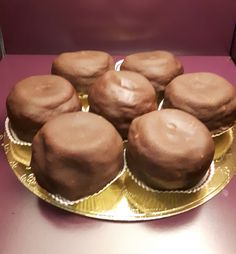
{"type": "Point", "coordinates": [122, 96]}
{"type": "Point", "coordinates": [80, 131]}
{"type": "Point", "coordinates": [172, 137]}
{"type": "Point", "coordinates": [85, 63]}
{"type": "Point", "coordinates": [82, 68]}
{"type": "Point", "coordinates": [36, 99]}
{"type": "Point", "coordinates": [43, 90]}
{"type": "Point", "coordinates": [159, 67]}
{"type": "Point", "coordinates": [203, 94]}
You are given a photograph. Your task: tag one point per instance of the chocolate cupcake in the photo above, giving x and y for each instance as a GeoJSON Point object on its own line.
{"type": "Point", "coordinates": [169, 150]}
{"type": "Point", "coordinates": [37, 99]}
{"type": "Point", "coordinates": [159, 67]}
{"type": "Point", "coordinates": [120, 97]}
{"type": "Point", "coordinates": [207, 96]}
{"type": "Point", "coordinates": [76, 155]}
{"type": "Point", "coordinates": [82, 68]}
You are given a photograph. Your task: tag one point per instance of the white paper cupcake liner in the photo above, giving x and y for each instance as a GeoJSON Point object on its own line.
{"type": "Point", "coordinates": [118, 64]}
{"type": "Point", "coordinates": [219, 133]}
{"type": "Point", "coordinates": [83, 97]}
{"type": "Point", "coordinates": [206, 179]}
{"type": "Point", "coordinates": [12, 135]}
{"type": "Point", "coordinates": [63, 201]}
{"type": "Point", "coordinates": [160, 105]}
{"type": "Point", "coordinates": [85, 109]}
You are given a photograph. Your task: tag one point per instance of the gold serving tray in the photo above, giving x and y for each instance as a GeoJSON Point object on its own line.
{"type": "Point", "coordinates": [124, 200]}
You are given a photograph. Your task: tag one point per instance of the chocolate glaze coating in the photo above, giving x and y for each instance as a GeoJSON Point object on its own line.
{"type": "Point", "coordinates": [169, 149]}
{"type": "Point", "coordinates": [209, 97]}
{"type": "Point", "coordinates": [159, 67]}
{"type": "Point", "coordinates": [82, 68]}
{"type": "Point", "coordinates": [120, 97]}
{"type": "Point", "coordinates": [76, 155]}
{"type": "Point", "coordinates": [35, 100]}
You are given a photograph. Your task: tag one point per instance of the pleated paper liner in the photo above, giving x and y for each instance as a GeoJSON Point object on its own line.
{"type": "Point", "coordinates": [221, 132]}
{"type": "Point", "coordinates": [146, 191]}
{"type": "Point", "coordinates": [121, 200]}
{"type": "Point", "coordinates": [102, 201]}
{"type": "Point", "coordinates": [160, 202]}
{"type": "Point", "coordinates": [105, 198]}
{"type": "Point", "coordinates": [99, 202]}
{"type": "Point", "coordinates": [20, 150]}
{"type": "Point", "coordinates": [223, 143]}
{"type": "Point", "coordinates": [164, 203]}
{"type": "Point", "coordinates": [84, 99]}
{"type": "Point", "coordinates": [220, 175]}
{"type": "Point", "coordinates": [118, 64]}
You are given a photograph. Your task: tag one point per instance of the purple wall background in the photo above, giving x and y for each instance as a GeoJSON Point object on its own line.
{"type": "Point", "coordinates": [185, 27]}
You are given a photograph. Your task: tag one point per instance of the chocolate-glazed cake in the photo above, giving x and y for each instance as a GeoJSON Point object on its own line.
{"type": "Point", "coordinates": [159, 67]}
{"type": "Point", "coordinates": [120, 97]}
{"type": "Point", "coordinates": [76, 155]}
{"type": "Point", "coordinates": [37, 99]}
{"type": "Point", "coordinates": [82, 68]}
{"type": "Point", "coordinates": [209, 97]}
{"type": "Point", "coordinates": [169, 149]}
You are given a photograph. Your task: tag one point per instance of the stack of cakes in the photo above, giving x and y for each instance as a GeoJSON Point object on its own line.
{"type": "Point", "coordinates": [77, 154]}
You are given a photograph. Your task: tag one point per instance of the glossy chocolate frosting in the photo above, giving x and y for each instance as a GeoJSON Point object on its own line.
{"type": "Point", "coordinates": [76, 155]}
{"type": "Point", "coordinates": [159, 67]}
{"type": "Point", "coordinates": [169, 149]}
{"type": "Point", "coordinates": [35, 100]}
{"type": "Point", "coordinates": [209, 97]}
{"type": "Point", "coordinates": [120, 97]}
{"type": "Point", "coordinates": [82, 68]}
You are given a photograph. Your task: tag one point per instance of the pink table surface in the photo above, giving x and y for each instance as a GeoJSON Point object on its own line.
{"type": "Point", "coordinates": [29, 225]}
